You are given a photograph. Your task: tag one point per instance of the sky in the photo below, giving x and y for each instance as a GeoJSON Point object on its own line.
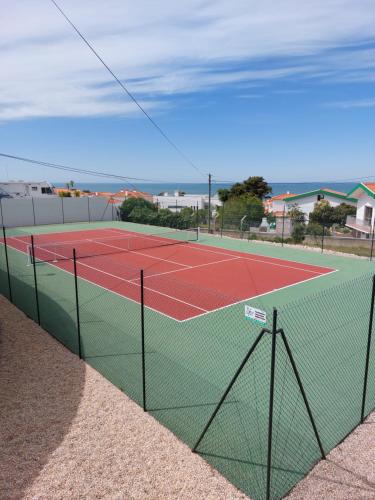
{"type": "Point", "coordinates": [251, 87]}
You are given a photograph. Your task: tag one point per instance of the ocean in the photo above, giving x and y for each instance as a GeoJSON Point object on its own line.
{"type": "Point", "coordinates": [198, 188]}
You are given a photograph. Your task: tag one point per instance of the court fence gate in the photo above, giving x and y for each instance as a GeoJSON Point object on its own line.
{"type": "Point", "coordinates": [262, 412]}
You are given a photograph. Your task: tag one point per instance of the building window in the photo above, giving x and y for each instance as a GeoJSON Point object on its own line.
{"type": "Point", "coordinates": [34, 188]}
{"type": "Point", "coordinates": [320, 197]}
{"type": "Point", "coordinates": [46, 190]}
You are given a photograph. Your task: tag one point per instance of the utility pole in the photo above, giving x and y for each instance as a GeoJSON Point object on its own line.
{"type": "Point", "coordinates": [209, 203]}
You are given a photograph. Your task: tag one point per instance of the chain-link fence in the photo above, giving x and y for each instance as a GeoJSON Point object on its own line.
{"type": "Point", "coordinates": [289, 228]}
{"type": "Point", "coordinates": [261, 403]}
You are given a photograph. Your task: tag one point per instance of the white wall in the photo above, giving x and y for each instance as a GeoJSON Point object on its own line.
{"type": "Point", "coordinates": [193, 201]}
{"type": "Point", "coordinates": [365, 200]}
{"type": "Point", "coordinates": [26, 189]}
{"type": "Point", "coordinates": [54, 210]}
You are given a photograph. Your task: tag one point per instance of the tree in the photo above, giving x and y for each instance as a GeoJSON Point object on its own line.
{"type": "Point", "coordinates": [223, 195]}
{"type": "Point", "coordinates": [342, 211]}
{"type": "Point", "coordinates": [129, 205]}
{"type": "Point", "coordinates": [296, 214]}
{"type": "Point", "coordinates": [254, 186]}
{"type": "Point", "coordinates": [77, 193]}
{"type": "Point", "coordinates": [323, 213]}
{"type": "Point", "coordinates": [236, 208]}
{"type": "Point", "coordinates": [71, 184]}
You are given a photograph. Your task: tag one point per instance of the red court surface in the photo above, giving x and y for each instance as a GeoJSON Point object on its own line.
{"type": "Point", "coordinates": [181, 281]}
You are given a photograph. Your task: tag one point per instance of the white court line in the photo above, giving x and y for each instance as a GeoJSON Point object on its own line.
{"type": "Point", "coordinates": [125, 280]}
{"type": "Point", "coordinates": [100, 286]}
{"type": "Point", "coordinates": [137, 252]}
{"type": "Point", "coordinates": [254, 297]}
{"type": "Point", "coordinates": [188, 267]}
{"type": "Point", "coordinates": [244, 255]}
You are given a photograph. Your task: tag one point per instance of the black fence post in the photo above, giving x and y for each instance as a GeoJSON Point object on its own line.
{"type": "Point", "coordinates": [1, 213]}
{"type": "Point", "coordinates": [369, 337]}
{"type": "Point", "coordinates": [77, 304]}
{"type": "Point", "coordinates": [283, 228]}
{"type": "Point", "coordinates": [372, 242]}
{"type": "Point", "coordinates": [143, 341]}
{"type": "Point", "coordinates": [222, 219]}
{"type": "Point", "coordinates": [88, 208]}
{"type": "Point", "coordinates": [271, 401]}
{"type": "Point", "coordinates": [300, 385]}
{"type": "Point", "coordinates": [322, 248]}
{"type": "Point", "coordinates": [35, 279]}
{"type": "Point", "coordinates": [7, 264]}
{"type": "Point", "coordinates": [231, 383]}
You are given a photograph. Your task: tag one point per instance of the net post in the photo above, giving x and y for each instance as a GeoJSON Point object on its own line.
{"type": "Point", "coordinates": [7, 264]}
{"type": "Point", "coordinates": [231, 383]}
{"type": "Point", "coordinates": [369, 338]}
{"type": "Point", "coordinates": [143, 341]}
{"type": "Point", "coordinates": [305, 400]}
{"type": "Point", "coordinates": [77, 304]}
{"type": "Point", "coordinates": [35, 278]}
{"type": "Point", "coordinates": [271, 403]}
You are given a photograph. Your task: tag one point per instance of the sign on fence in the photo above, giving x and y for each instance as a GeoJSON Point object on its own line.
{"type": "Point", "coordinates": [256, 315]}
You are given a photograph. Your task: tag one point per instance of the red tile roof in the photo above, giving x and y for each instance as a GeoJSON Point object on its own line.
{"type": "Point", "coordinates": [329, 190]}
{"type": "Point", "coordinates": [281, 196]}
{"type": "Point", "coordinates": [370, 185]}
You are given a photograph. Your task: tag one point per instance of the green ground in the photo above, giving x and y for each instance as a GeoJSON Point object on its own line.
{"type": "Point", "coordinates": [189, 364]}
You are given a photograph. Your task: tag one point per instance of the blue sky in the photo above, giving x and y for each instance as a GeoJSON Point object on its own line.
{"type": "Point", "coordinates": [242, 88]}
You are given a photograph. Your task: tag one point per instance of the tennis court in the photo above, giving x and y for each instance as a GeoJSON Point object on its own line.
{"type": "Point", "coordinates": [182, 280]}
{"type": "Point", "coordinates": [176, 351]}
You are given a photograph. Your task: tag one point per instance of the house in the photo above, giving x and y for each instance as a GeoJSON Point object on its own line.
{"type": "Point", "coordinates": [276, 204]}
{"type": "Point", "coordinates": [178, 201]}
{"type": "Point", "coordinates": [306, 201]}
{"type": "Point", "coordinates": [363, 222]}
{"type": "Point", "coordinates": [25, 189]}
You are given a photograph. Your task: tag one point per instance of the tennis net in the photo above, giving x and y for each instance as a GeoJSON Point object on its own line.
{"type": "Point", "coordinates": [87, 247]}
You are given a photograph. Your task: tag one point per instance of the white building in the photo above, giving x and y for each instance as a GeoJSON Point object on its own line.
{"type": "Point", "coordinates": [24, 189]}
{"type": "Point", "coordinates": [306, 201]}
{"type": "Point", "coordinates": [177, 202]}
{"type": "Point", "coordinates": [363, 222]}
{"type": "Point", "coordinates": [276, 204]}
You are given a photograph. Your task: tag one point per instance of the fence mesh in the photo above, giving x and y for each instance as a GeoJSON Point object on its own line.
{"type": "Point", "coordinates": [21, 275]}
{"type": "Point", "coordinates": [189, 363]}
{"type": "Point", "coordinates": [111, 333]}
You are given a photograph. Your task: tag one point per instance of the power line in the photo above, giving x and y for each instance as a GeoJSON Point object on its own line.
{"type": "Point", "coordinates": [132, 97]}
{"type": "Point", "coordinates": [96, 173]}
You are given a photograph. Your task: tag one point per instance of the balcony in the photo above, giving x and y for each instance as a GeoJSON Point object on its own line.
{"type": "Point", "coordinates": [359, 225]}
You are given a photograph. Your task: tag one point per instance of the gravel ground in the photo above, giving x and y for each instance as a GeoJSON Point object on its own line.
{"type": "Point", "coordinates": [66, 432]}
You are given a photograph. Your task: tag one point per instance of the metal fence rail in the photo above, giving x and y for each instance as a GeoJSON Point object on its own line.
{"type": "Point", "coordinates": [261, 408]}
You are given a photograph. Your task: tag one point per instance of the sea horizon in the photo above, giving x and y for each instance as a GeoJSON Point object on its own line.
{"type": "Point", "coordinates": [202, 188]}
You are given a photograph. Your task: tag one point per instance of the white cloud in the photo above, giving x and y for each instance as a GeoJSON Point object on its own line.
{"type": "Point", "coordinates": [168, 47]}
{"type": "Point", "coordinates": [355, 103]}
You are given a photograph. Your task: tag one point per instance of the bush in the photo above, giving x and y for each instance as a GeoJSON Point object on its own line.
{"type": "Point", "coordinates": [298, 233]}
